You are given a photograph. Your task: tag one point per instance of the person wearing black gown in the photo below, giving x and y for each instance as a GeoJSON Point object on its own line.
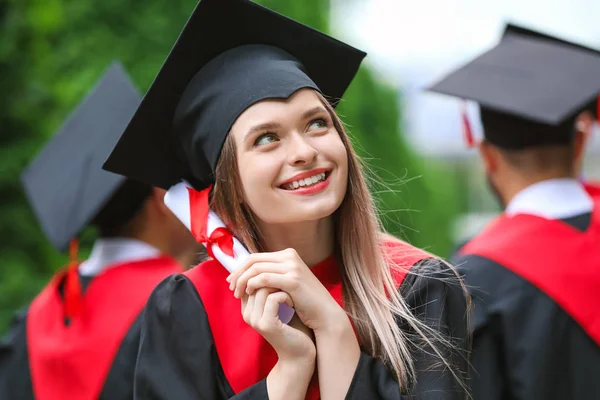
{"type": "Point", "coordinates": [243, 113]}
{"type": "Point", "coordinates": [534, 272]}
{"type": "Point", "coordinates": [78, 338]}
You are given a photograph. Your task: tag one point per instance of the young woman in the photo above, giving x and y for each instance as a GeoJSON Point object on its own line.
{"type": "Point", "coordinates": [246, 112]}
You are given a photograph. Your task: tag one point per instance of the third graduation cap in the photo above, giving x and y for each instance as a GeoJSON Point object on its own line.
{"type": "Point", "coordinates": [529, 89]}
{"type": "Point", "coordinates": [65, 184]}
{"type": "Point", "coordinates": [230, 55]}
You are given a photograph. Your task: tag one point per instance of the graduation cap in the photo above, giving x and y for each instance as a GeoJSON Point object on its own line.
{"type": "Point", "coordinates": [65, 183]}
{"type": "Point", "coordinates": [230, 55]}
{"type": "Point", "coordinates": [512, 30]}
{"type": "Point", "coordinates": [530, 89]}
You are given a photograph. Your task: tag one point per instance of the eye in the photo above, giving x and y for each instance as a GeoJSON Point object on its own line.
{"type": "Point", "coordinates": [265, 139]}
{"type": "Point", "coordinates": [318, 123]}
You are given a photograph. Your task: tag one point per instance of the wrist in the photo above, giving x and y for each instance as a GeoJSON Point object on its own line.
{"type": "Point", "coordinates": [298, 366]}
{"type": "Point", "coordinates": [289, 379]}
{"type": "Point", "coordinates": [338, 325]}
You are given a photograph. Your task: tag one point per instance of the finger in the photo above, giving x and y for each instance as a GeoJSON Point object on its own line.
{"type": "Point", "coordinates": [244, 303]}
{"type": "Point", "coordinates": [247, 313]}
{"type": "Point", "coordinates": [247, 263]}
{"type": "Point", "coordinates": [297, 323]}
{"type": "Point", "coordinates": [275, 281]}
{"type": "Point", "coordinates": [271, 309]}
{"type": "Point", "coordinates": [260, 298]}
{"type": "Point", "coordinates": [253, 258]}
{"type": "Point", "coordinates": [257, 268]}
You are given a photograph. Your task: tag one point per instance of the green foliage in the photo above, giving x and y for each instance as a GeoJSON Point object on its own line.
{"type": "Point", "coordinates": [52, 51]}
{"type": "Point", "coordinates": [415, 198]}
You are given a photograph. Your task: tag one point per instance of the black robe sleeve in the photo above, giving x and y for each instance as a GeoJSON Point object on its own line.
{"type": "Point", "coordinates": [435, 295]}
{"type": "Point", "coordinates": [15, 378]}
{"type": "Point", "coordinates": [119, 382]}
{"type": "Point", "coordinates": [177, 359]}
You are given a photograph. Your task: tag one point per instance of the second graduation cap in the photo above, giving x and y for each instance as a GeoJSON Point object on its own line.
{"type": "Point", "coordinates": [512, 30]}
{"type": "Point", "coordinates": [230, 55]}
{"type": "Point", "coordinates": [530, 89]}
{"type": "Point", "coordinates": [65, 183]}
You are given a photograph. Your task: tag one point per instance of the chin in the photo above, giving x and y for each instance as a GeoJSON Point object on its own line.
{"type": "Point", "coordinates": [298, 213]}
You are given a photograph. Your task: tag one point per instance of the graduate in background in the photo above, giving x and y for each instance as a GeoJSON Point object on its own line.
{"type": "Point", "coordinates": [587, 119]}
{"type": "Point", "coordinates": [534, 272]}
{"type": "Point", "coordinates": [585, 122]}
{"type": "Point", "coordinates": [79, 337]}
{"type": "Point", "coordinates": [242, 106]}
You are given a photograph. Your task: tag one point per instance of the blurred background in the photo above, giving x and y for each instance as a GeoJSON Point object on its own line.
{"type": "Point", "coordinates": [432, 191]}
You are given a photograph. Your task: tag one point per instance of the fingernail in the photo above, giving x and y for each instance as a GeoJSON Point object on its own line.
{"type": "Point", "coordinates": [228, 279]}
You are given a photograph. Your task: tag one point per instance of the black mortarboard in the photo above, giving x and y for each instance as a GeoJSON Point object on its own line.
{"type": "Point", "coordinates": [230, 55]}
{"type": "Point", "coordinates": [512, 30]}
{"type": "Point", "coordinates": [65, 184]}
{"type": "Point", "coordinates": [529, 89]}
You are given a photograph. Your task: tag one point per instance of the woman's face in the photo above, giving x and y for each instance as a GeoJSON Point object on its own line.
{"type": "Point", "coordinates": [292, 163]}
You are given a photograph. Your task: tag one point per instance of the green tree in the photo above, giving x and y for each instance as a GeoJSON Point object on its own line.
{"type": "Point", "coordinates": [24, 253]}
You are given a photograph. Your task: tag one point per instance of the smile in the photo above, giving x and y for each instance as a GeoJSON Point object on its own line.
{"type": "Point", "coordinates": [306, 182]}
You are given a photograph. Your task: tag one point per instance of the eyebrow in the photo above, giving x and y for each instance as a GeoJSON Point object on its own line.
{"type": "Point", "coordinates": [273, 126]}
{"type": "Point", "coordinates": [313, 111]}
{"type": "Point", "coordinates": [262, 127]}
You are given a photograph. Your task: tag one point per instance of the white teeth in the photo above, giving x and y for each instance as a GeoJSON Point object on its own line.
{"type": "Point", "coordinates": [305, 182]}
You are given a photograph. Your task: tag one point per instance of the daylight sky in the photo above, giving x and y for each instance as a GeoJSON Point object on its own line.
{"type": "Point", "coordinates": [412, 43]}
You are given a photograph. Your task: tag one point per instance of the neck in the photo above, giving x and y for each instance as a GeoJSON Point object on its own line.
{"type": "Point", "coordinates": [518, 182]}
{"type": "Point", "coordinates": [312, 240]}
{"type": "Point", "coordinates": [191, 256]}
{"type": "Point", "coordinates": [148, 237]}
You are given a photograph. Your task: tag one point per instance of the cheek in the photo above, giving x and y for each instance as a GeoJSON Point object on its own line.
{"type": "Point", "coordinates": [257, 176]}
{"type": "Point", "coordinates": [335, 151]}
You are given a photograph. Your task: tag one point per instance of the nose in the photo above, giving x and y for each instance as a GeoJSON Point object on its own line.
{"type": "Point", "coordinates": [301, 152]}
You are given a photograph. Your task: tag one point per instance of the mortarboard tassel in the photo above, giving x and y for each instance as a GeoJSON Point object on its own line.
{"type": "Point", "coordinates": [191, 208]}
{"type": "Point", "coordinates": [466, 126]}
{"type": "Point", "coordinates": [73, 297]}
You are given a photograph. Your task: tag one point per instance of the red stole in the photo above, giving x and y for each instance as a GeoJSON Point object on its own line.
{"type": "Point", "coordinates": [558, 259]}
{"type": "Point", "coordinates": [593, 189]}
{"type": "Point", "coordinates": [245, 356]}
{"type": "Point", "coordinates": [73, 362]}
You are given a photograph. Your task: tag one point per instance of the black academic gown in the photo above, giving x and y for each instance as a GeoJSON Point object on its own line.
{"type": "Point", "coordinates": [525, 344]}
{"type": "Point", "coordinates": [178, 359]}
{"type": "Point", "coordinates": [15, 359]}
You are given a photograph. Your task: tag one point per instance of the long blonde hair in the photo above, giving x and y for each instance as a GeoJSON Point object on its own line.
{"type": "Point", "coordinates": [370, 294]}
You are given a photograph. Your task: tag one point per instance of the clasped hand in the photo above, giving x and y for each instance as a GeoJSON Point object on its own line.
{"type": "Point", "coordinates": [284, 271]}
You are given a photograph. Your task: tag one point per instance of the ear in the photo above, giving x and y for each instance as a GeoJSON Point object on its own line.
{"type": "Point", "coordinates": [584, 123]}
{"type": "Point", "coordinates": [489, 156]}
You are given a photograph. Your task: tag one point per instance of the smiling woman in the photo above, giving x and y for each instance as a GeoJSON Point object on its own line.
{"type": "Point", "coordinates": [296, 169]}
{"type": "Point", "coordinates": [375, 317]}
